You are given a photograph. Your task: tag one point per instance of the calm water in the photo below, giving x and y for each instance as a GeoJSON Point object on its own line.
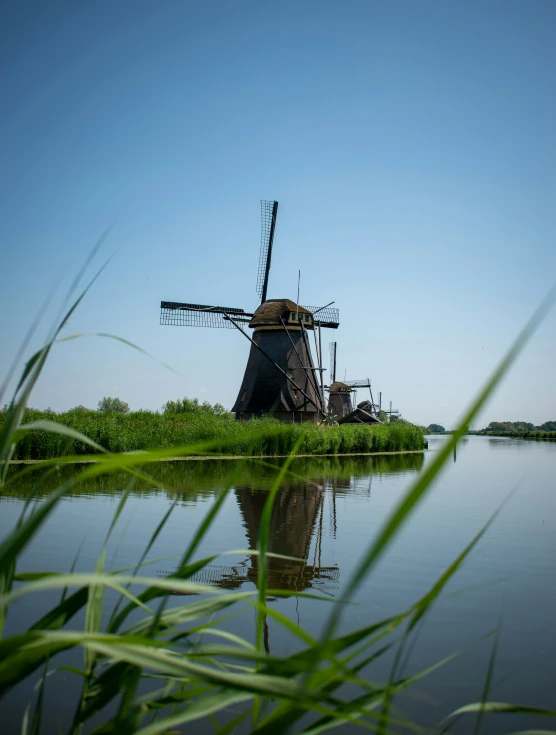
{"type": "Point", "coordinates": [509, 577]}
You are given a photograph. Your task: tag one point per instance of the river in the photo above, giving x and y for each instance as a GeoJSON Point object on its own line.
{"type": "Point", "coordinates": [326, 516]}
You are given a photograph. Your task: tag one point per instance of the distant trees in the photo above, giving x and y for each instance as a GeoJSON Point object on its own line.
{"type": "Point", "coordinates": [548, 426]}
{"type": "Point", "coordinates": [192, 405]}
{"type": "Point", "coordinates": [113, 405]}
{"type": "Point", "coordinates": [510, 426]}
{"type": "Point", "coordinates": [436, 429]}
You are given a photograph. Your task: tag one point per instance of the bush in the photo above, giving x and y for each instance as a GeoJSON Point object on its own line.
{"type": "Point", "coordinates": [112, 405]}
{"type": "Point", "coordinates": [188, 405]}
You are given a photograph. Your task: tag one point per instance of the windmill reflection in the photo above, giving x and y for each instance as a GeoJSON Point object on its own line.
{"type": "Point", "coordinates": [299, 521]}
{"type": "Point", "coordinates": [297, 517]}
{"type": "Point", "coordinates": [296, 521]}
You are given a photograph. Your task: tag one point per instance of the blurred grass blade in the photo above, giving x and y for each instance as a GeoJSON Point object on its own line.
{"type": "Point", "coordinates": [488, 681]}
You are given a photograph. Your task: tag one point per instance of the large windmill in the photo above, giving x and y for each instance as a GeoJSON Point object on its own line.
{"type": "Point", "coordinates": [280, 377]}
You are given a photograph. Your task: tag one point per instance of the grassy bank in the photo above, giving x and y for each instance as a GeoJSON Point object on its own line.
{"type": "Point", "coordinates": [146, 430]}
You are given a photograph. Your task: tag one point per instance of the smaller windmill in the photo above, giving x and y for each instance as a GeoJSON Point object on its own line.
{"type": "Point", "coordinates": [341, 397]}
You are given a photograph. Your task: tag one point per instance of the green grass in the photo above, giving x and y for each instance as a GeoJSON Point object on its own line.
{"type": "Point", "coordinates": [160, 665]}
{"type": "Point", "coordinates": [140, 430]}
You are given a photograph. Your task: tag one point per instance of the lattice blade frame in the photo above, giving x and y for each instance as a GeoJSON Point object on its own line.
{"type": "Point", "coordinates": [178, 314]}
{"type": "Point", "coordinates": [327, 317]}
{"type": "Point", "coordinates": [333, 346]}
{"type": "Point", "coordinates": [268, 221]}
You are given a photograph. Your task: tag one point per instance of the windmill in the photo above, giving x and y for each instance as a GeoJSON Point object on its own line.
{"type": "Point", "coordinates": [280, 377]}
{"type": "Point", "coordinates": [340, 402]}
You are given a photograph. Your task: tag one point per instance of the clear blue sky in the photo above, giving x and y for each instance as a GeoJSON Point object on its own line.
{"type": "Point", "coordinates": [411, 145]}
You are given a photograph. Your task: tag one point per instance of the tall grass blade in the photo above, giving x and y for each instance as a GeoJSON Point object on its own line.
{"type": "Point", "coordinates": [488, 681]}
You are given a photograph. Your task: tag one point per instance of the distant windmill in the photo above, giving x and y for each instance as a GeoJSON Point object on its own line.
{"type": "Point", "coordinates": [340, 403]}
{"type": "Point", "coordinates": [280, 378]}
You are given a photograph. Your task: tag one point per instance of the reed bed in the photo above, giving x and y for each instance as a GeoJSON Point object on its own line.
{"type": "Point", "coordinates": [142, 430]}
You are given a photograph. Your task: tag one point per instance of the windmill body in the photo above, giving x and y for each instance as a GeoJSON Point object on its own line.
{"type": "Point", "coordinates": [339, 399]}
{"type": "Point", "coordinates": [281, 331]}
{"type": "Point", "coordinates": [280, 378]}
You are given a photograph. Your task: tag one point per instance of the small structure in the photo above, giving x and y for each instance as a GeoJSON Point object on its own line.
{"type": "Point", "coordinates": [360, 416]}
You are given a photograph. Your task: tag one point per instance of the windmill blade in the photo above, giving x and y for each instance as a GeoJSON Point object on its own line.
{"type": "Point", "coordinates": [361, 383]}
{"type": "Point", "coordinates": [325, 316]}
{"type": "Point", "coordinates": [269, 210]}
{"type": "Point", "coordinates": [199, 315]}
{"type": "Point", "coordinates": [333, 346]}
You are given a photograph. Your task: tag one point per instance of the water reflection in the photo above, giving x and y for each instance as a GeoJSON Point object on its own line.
{"type": "Point", "coordinates": [195, 480]}
{"type": "Point", "coordinates": [296, 523]}
{"type": "Point", "coordinates": [499, 442]}
{"type": "Point", "coordinates": [297, 517]}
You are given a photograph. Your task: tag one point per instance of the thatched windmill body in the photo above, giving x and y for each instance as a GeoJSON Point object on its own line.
{"type": "Point", "coordinates": [280, 378]}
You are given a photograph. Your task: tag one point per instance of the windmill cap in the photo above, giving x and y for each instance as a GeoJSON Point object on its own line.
{"type": "Point", "coordinates": [338, 387]}
{"type": "Point", "coordinates": [269, 313]}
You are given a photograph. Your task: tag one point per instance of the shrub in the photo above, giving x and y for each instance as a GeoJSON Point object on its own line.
{"type": "Point", "coordinates": [113, 405]}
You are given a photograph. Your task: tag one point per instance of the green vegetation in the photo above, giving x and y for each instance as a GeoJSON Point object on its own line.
{"type": "Point", "coordinates": [111, 405]}
{"type": "Point", "coordinates": [436, 429]}
{"type": "Point", "coordinates": [151, 666]}
{"type": "Point", "coordinates": [117, 432]}
{"type": "Point", "coordinates": [519, 430]}
{"type": "Point", "coordinates": [192, 406]}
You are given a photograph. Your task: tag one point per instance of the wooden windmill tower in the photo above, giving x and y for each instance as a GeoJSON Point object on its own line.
{"type": "Point", "coordinates": [280, 377]}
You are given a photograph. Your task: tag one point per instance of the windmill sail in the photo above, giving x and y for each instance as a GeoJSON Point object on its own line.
{"type": "Point", "coordinates": [326, 317]}
{"type": "Point", "coordinates": [269, 210]}
{"type": "Point", "coordinates": [333, 346]}
{"type": "Point", "coordinates": [198, 315]}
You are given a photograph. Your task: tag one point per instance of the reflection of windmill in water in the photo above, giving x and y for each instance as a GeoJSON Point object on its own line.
{"type": "Point", "coordinates": [280, 377]}
{"type": "Point", "coordinates": [297, 517]}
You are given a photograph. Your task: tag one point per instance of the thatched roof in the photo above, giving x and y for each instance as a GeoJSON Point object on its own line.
{"type": "Point", "coordinates": [338, 387]}
{"type": "Point", "coordinates": [270, 312]}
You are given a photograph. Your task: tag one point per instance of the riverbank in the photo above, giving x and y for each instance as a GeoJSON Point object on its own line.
{"type": "Point", "coordinates": [536, 434]}
{"type": "Point", "coordinates": [220, 436]}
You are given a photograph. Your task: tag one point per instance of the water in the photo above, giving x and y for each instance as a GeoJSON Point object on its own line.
{"type": "Point", "coordinates": [327, 516]}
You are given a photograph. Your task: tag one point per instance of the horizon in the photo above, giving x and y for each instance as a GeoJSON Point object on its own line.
{"type": "Point", "coordinates": [411, 151]}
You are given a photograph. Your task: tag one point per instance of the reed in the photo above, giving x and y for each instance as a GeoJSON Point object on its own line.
{"type": "Point", "coordinates": [151, 666]}
{"type": "Point", "coordinates": [141, 430]}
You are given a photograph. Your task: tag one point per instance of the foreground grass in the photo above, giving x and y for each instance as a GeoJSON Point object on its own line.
{"type": "Point", "coordinates": [145, 430]}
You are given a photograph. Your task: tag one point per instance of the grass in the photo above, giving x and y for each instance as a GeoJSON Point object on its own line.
{"type": "Point", "coordinates": [150, 666]}
{"type": "Point", "coordinates": [116, 432]}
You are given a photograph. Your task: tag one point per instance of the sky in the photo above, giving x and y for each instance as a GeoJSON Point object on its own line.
{"type": "Point", "coordinates": [411, 147]}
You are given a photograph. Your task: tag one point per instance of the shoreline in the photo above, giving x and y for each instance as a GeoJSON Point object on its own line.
{"type": "Point", "coordinates": [205, 458]}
